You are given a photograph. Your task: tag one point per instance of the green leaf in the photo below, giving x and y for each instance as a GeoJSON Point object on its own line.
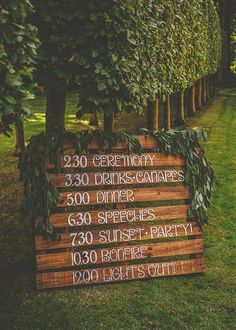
{"type": "Point", "coordinates": [82, 61]}
{"type": "Point", "coordinates": [132, 41]}
{"type": "Point", "coordinates": [114, 57]}
{"type": "Point", "coordinates": [10, 99]}
{"type": "Point", "coordinates": [95, 53]}
{"type": "Point", "coordinates": [101, 86]}
{"type": "Point", "coordinates": [204, 134]}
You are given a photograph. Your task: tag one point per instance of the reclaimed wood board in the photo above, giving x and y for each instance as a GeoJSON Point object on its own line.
{"type": "Point", "coordinates": [109, 230]}
{"type": "Point", "coordinates": [114, 216]}
{"type": "Point", "coordinates": [118, 235]}
{"type": "Point", "coordinates": [118, 273]}
{"type": "Point", "coordinates": [106, 255]}
{"type": "Point", "coordinates": [114, 160]}
{"type": "Point", "coordinates": [109, 178]}
{"type": "Point", "coordinates": [146, 142]}
{"type": "Point", "coordinates": [129, 195]}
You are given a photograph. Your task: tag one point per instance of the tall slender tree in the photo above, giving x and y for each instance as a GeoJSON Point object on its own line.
{"type": "Point", "coordinates": [18, 44]}
{"type": "Point", "coordinates": [59, 33]}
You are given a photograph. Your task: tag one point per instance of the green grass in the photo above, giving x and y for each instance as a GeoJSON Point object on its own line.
{"type": "Point", "coordinates": [185, 302]}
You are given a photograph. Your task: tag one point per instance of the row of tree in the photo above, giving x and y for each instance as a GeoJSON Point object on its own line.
{"type": "Point", "coordinates": [121, 55]}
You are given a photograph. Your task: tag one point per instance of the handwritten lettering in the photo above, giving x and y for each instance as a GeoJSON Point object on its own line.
{"type": "Point", "coordinates": [110, 178]}
{"type": "Point", "coordinates": [116, 235]}
{"type": "Point", "coordinates": [123, 273]}
{"type": "Point", "coordinates": [116, 254]}
{"type": "Point", "coordinates": [123, 160]}
{"type": "Point", "coordinates": [120, 273]}
{"type": "Point", "coordinates": [120, 216]}
{"type": "Point", "coordinates": [123, 254]}
{"type": "Point", "coordinates": [120, 235]}
{"type": "Point", "coordinates": [117, 196]}
{"type": "Point", "coordinates": [170, 230]}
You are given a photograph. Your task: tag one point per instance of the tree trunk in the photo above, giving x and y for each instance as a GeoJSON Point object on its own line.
{"type": "Point", "coordinates": [153, 115]}
{"type": "Point", "coordinates": [220, 75]}
{"type": "Point", "coordinates": [19, 137]}
{"type": "Point", "coordinates": [55, 110]}
{"type": "Point", "coordinates": [180, 109]}
{"type": "Point", "coordinates": [108, 123]}
{"type": "Point", "coordinates": [207, 88]}
{"type": "Point", "coordinates": [204, 97]}
{"type": "Point", "coordinates": [214, 78]}
{"type": "Point", "coordinates": [150, 107]}
{"type": "Point", "coordinates": [167, 123]}
{"type": "Point", "coordinates": [227, 10]}
{"type": "Point", "coordinates": [211, 86]}
{"type": "Point", "coordinates": [93, 119]}
{"type": "Point", "coordinates": [192, 110]}
{"type": "Point", "coordinates": [199, 95]}
{"type": "Point", "coordinates": [156, 114]}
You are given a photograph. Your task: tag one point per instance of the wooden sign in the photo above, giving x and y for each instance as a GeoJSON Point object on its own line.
{"type": "Point", "coordinates": [121, 217]}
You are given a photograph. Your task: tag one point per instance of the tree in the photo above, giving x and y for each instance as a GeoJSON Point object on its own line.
{"type": "Point", "coordinates": [226, 10]}
{"type": "Point", "coordinates": [18, 44]}
{"type": "Point", "coordinates": [136, 52]}
{"type": "Point", "coordinates": [124, 55]}
{"type": "Point", "coordinates": [233, 46]}
{"type": "Point", "coordinates": [59, 33]}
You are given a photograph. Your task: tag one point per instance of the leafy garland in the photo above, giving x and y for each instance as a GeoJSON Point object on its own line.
{"type": "Point", "coordinates": [199, 175]}
{"type": "Point", "coordinates": [41, 197]}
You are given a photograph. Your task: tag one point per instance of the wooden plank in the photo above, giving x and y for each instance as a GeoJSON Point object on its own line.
{"type": "Point", "coordinates": [114, 160]}
{"type": "Point", "coordinates": [145, 142]}
{"type": "Point", "coordinates": [109, 178]}
{"type": "Point", "coordinates": [121, 234]}
{"type": "Point", "coordinates": [127, 215]}
{"type": "Point", "coordinates": [103, 246]}
{"type": "Point", "coordinates": [117, 254]}
{"type": "Point", "coordinates": [118, 273]}
{"type": "Point", "coordinates": [128, 195]}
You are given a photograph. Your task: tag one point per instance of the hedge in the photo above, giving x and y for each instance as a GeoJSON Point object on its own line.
{"type": "Point", "coordinates": [131, 50]}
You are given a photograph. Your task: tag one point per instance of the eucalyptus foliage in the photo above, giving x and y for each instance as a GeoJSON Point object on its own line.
{"type": "Point", "coordinates": [41, 197]}
{"type": "Point", "coordinates": [18, 43]}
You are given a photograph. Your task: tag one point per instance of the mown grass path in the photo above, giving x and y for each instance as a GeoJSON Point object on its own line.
{"type": "Point", "coordinates": [186, 302]}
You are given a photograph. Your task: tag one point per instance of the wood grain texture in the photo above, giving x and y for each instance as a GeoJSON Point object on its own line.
{"type": "Point", "coordinates": [121, 234]}
{"type": "Point", "coordinates": [127, 215]}
{"type": "Point", "coordinates": [145, 142]}
{"type": "Point", "coordinates": [111, 178]}
{"type": "Point", "coordinates": [159, 159]}
{"type": "Point", "coordinates": [118, 254]}
{"type": "Point", "coordinates": [129, 195]}
{"type": "Point", "coordinates": [118, 273]}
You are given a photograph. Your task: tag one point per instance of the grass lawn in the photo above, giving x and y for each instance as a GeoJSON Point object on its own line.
{"type": "Point", "coordinates": [186, 302]}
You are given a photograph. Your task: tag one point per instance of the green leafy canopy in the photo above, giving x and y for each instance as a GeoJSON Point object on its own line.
{"type": "Point", "coordinates": [121, 53]}
{"type": "Point", "coordinates": [133, 50]}
{"type": "Point", "coordinates": [18, 45]}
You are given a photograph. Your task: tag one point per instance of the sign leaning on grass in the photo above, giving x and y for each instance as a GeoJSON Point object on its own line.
{"type": "Point", "coordinates": [121, 217]}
